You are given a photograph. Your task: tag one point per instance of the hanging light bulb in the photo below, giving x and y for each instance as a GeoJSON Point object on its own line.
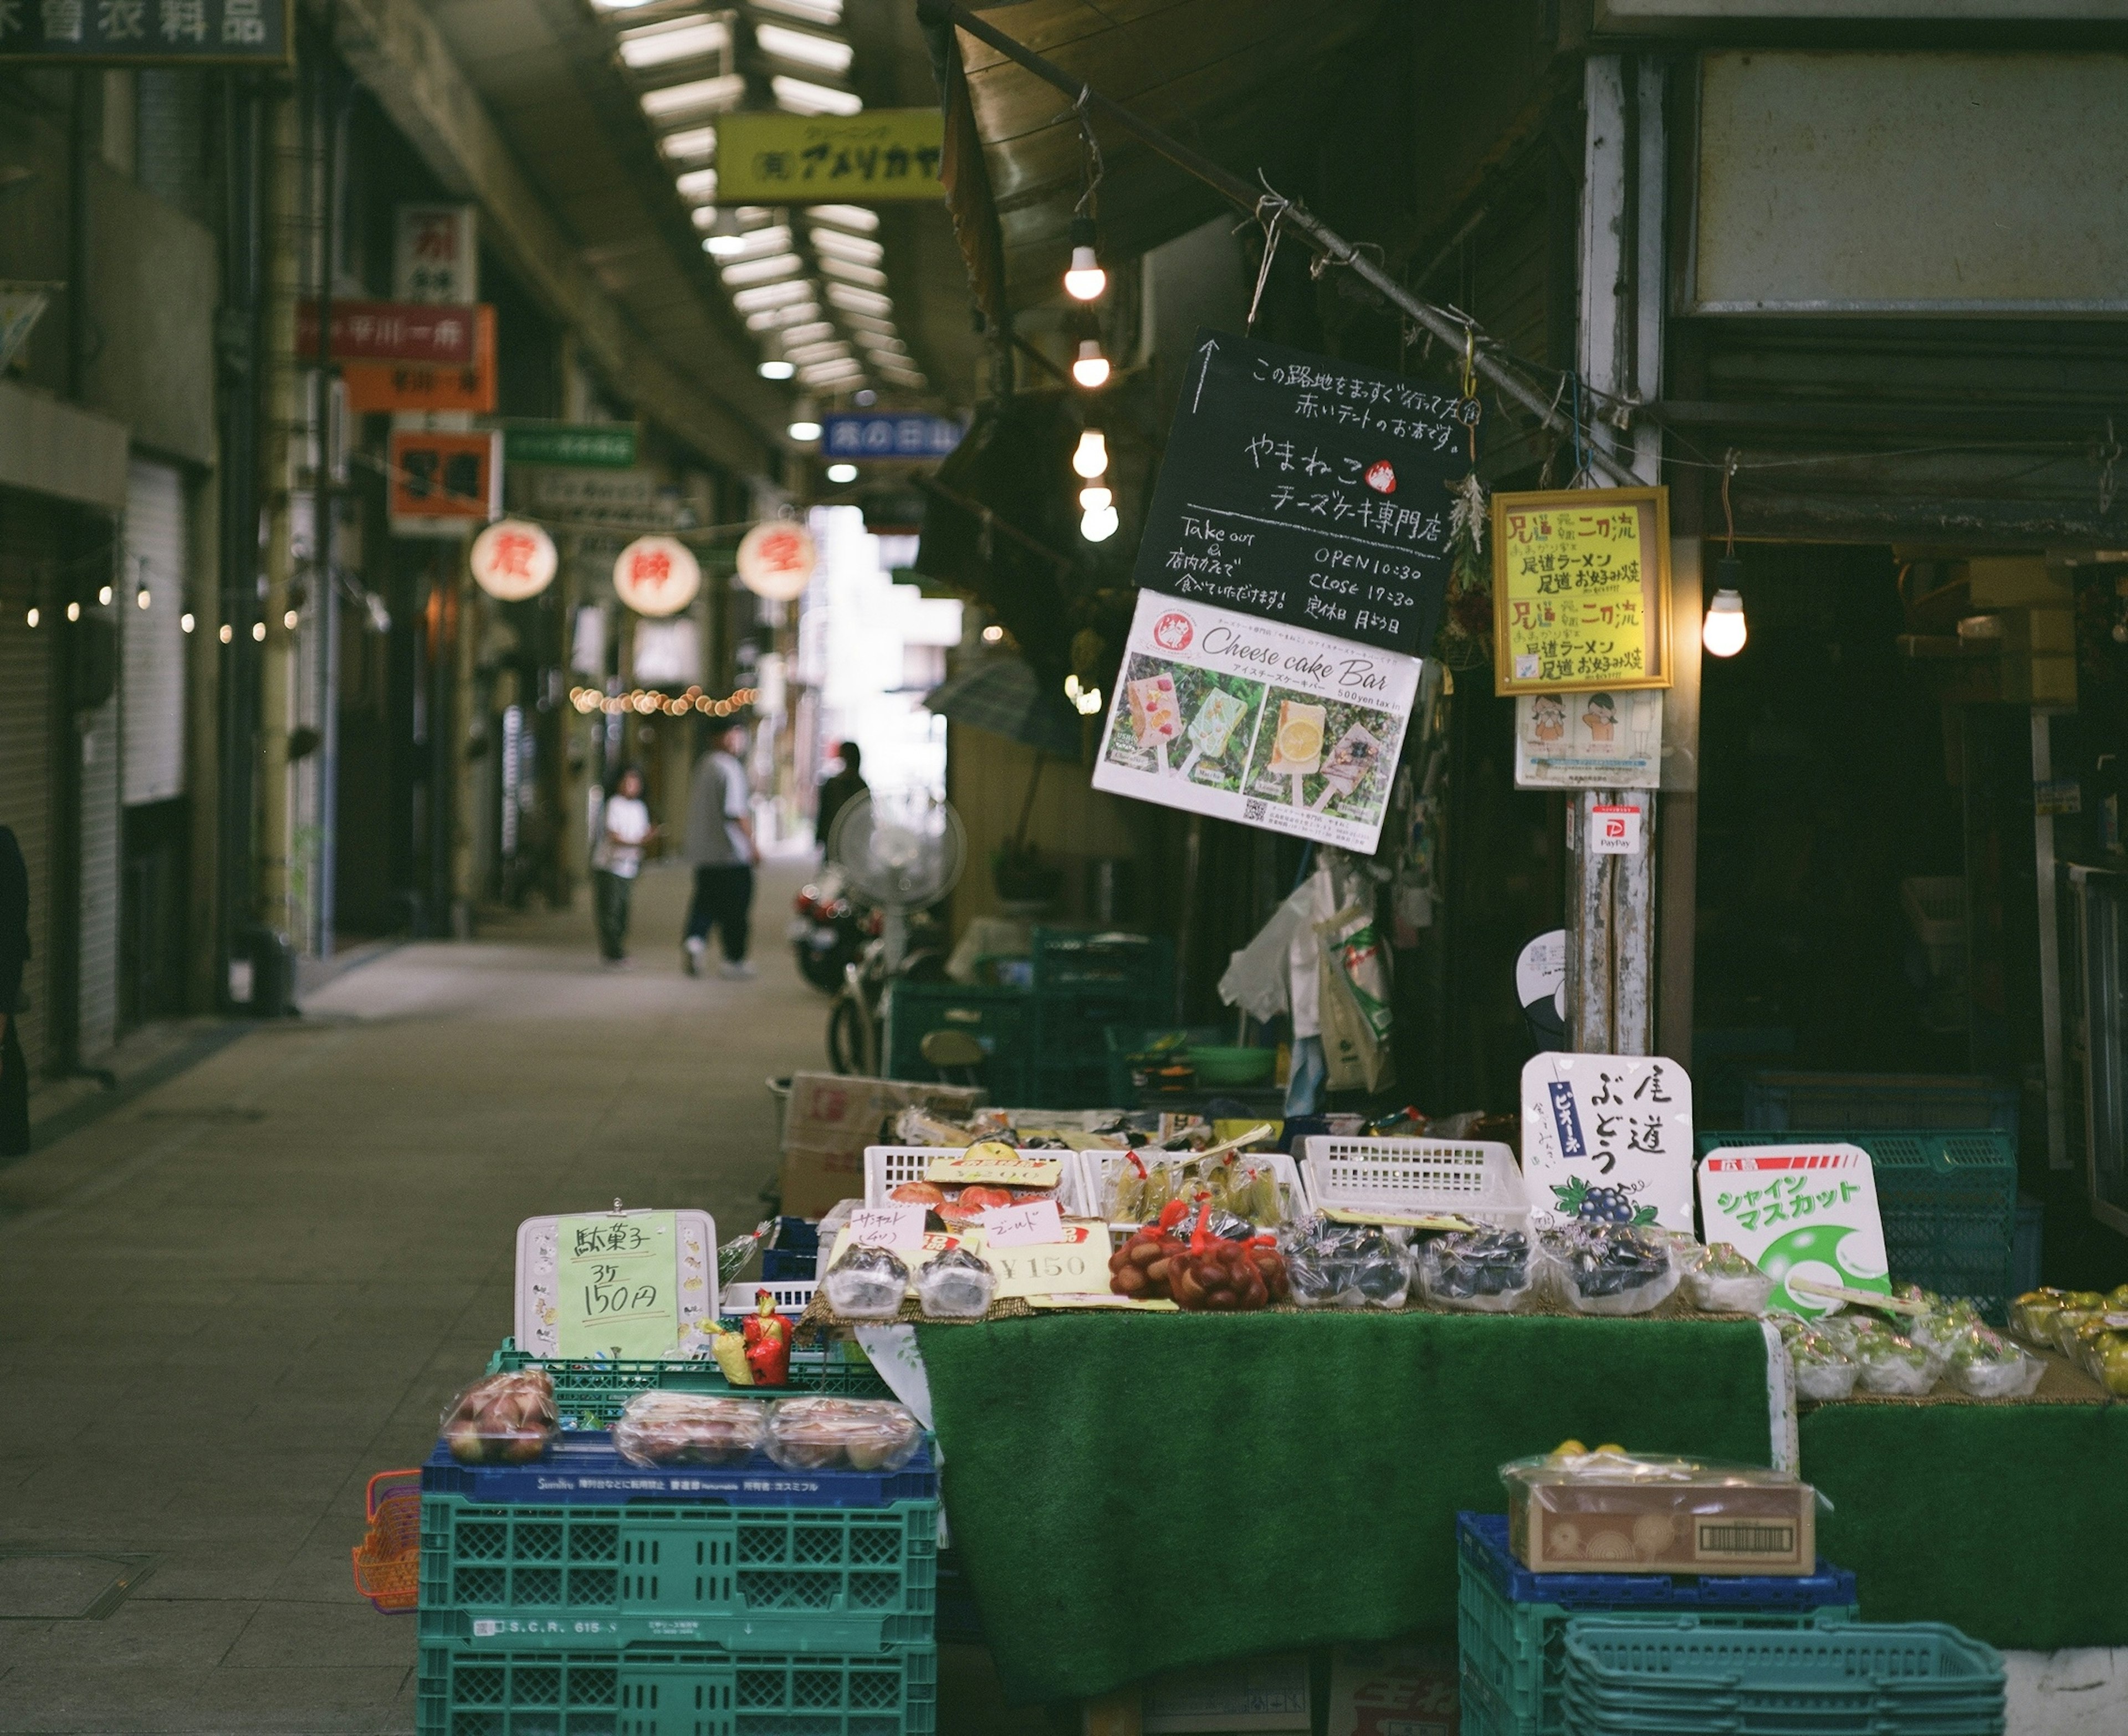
{"type": "Point", "coordinates": [35, 615]}
{"type": "Point", "coordinates": [775, 369]}
{"type": "Point", "coordinates": [186, 623]}
{"type": "Point", "coordinates": [141, 598]}
{"type": "Point", "coordinates": [291, 620]}
{"type": "Point", "coordinates": [258, 633]}
{"type": "Point", "coordinates": [227, 633]}
{"type": "Point", "coordinates": [1724, 630]}
{"type": "Point", "coordinates": [104, 595]}
{"type": "Point", "coordinates": [74, 611]}
{"type": "Point", "coordinates": [805, 424]}
{"type": "Point", "coordinates": [1099, 524]}
{"type": "Point", "coordinates": [842, 473]}
{"type": "Point", "coordinates": [1094, 495]}
{"type": "Point", "coordinates": [1085, 280]}
{"type": "Point", "coordinates": [1091, 369]}
{"type": "Point", "coordinates": [1091, 456]}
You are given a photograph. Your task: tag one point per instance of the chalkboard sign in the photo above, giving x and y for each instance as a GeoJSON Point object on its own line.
{"type": "Point", "coordinates": [1309, 491]}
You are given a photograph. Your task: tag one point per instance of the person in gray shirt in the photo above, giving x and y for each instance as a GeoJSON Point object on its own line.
{"type": "Point", "coordinates": [721, 845]}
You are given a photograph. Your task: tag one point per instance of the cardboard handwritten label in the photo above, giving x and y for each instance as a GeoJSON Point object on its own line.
{"type": "Point", "coordinates": [1020, 1226]}
{"type": "Point", "coordinates": [1614, 829]}
{"type": "Point", "coordinates": [1581, 590]}
{"type": "Point", "coordinates": [1307, 489]}
{"type": "Point", "coordinates": [1798, 1211]}
{"type": "Point", "coordinates": [994, 1166]}
{"type": "Point", "coordinates": [1608, 1139]}
{"type": "Point", "coordinates": [616, 1285]}
{"type": "Point", "coordinates": [887, 1227]}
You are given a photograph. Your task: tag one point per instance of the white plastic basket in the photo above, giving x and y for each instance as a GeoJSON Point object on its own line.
{"type": "Point", "coordinates": [790, 1296]}
{"type": "Point", "coordinates": [1474, 1177]}
{"type": "Point", "coordinates": [887, 1167]}
{"type": "Point", "coordinates": [1095, 1167]}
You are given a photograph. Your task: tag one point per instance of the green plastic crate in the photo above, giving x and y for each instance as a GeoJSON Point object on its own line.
{"type": "Point", "coordinates": [1122, 1041]}
{"type": "Point", "coordinates": [1514, 1654]}
{"type": "Point", "coordinates": [1001, 1021]}
{"type": "Point", "coordinates": [590, 1395]}
{"type": "Point", "coordinates": [1948, 1197]}
{"type": "Point", "coordinates": [811, 1579]}
{"type": "Point", "coordinates": [666, 1691]}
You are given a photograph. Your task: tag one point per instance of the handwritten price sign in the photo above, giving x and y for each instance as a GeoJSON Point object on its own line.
{"type": "Point", "coordinates": [887, 1227]}
{"type": "Point", "coordinates": [1078, 1263]}
{"type": "Point", "coordinates": [617, 1288]}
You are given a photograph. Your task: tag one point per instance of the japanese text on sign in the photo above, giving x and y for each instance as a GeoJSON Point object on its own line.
{"type": "Point", "coordinates": [615, 1284]}
{"type": "Point", "coordinates": [880, 437]}
{"type": "Point", "coordinates": [772, 159]}
{"type": "Point", "coordinates": [1580, 586]}
{"type": "Point", "coordinates": [392, 331]}
{"type": "Point", "coordinates": [1798, 1211]}
{"type": "Point", "coordinates": [1608, 1139]}
{"type": "Point", "coordinates": [194, 31]}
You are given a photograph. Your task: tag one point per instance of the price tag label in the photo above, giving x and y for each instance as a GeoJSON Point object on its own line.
{"type": "Point", "coordinates": [616, 1285]}
{"type": "Point", "coordinates": [887, 1227]}
{"type": "Point", "coordinates": [1074, 1266]}
{"type": "Point", "coordinates": [1029, 1225]}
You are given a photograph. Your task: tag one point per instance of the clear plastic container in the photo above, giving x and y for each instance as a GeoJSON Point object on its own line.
{"type": "Point", "coordinates": [661, 1428]}
{"type": "Point", "coordinates": [1481, 1271]}
{"type": "Point", "coordinates": [501, 1419]}
{"type": "Point", "coordinates": [1332, 1265]}
{"type": "Point", "coordinates": [1612, 1268]}
{"type": "Point", "coordinates": [956, 1285]}
{"type": "Point", "coordinates": [1984, 1364]}
{"type": "Point", "coordinates": [1899, 1367]}
{"type": "Point", "coordinates": [825, 1434]}
{"type": "Point", "coordinates": [867, 1283]}
{"type": "Point", "coordinates": [1720, 1281]}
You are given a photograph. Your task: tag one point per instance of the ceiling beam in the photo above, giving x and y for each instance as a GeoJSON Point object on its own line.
{"type": "Point", "coordinates": [402, 58]}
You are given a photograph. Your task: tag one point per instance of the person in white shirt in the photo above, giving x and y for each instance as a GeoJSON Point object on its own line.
{"type": "Point", "coordinates": [721, 845]}
{"type": "Point", "coordinates": [625, 831]}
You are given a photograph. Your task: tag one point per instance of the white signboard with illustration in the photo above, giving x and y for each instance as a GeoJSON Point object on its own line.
{"type": "Point", "coordinates": [1252, 720]}
{"type": "Point", "coordinates": [1608, 1139]}
{"type": "Point", "coordinates": [1588, 741]}
{"type": "Point", "coordinates": [1799, 1212]}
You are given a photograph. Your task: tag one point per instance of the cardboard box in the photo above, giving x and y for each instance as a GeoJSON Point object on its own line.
{"type": "Point", "coordinates": [2040, 680]}
{"type": "Point", "coordinates": [2011, 581]}
{"type": "Point", "coordinates": [833, 1117]}
{"type": "Point", "coordinates": [1404, 1688]}
{"type": "Point", "coordinates": [1252, 1694]}
{"type": "Point", "coordinates": [1764, 1528]}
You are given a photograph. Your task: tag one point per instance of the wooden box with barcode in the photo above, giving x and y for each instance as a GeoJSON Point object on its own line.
{"type": "Point", "coordinates": [1756, 1527]}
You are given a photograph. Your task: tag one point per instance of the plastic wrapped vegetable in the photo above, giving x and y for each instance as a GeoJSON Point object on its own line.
{"type": "Point", "coordinates": [1984, 1364]}
{"type": "Point", "coordinates": [1332, 1265]}
{"type": "Point", "coordinates": [1897, 1365]}
{"type": "Point", "coordinates": [1485, 1271]}
{"type": "Point", "coordinates": [661, 1428]}
{"type": "Point", "coordinates": [1140, 1267]}
{"type": "Point", "coordinates": [2107, 1362]}
{"type": "Point", "coordinates": [824, 1434]}
{"type": "Point", "coordinates": [1612, 1268]}
{"type": "Point", "coordinates": [1216, 1275]}
{"type": "Point", "coordinates": [867, 1283]}
{"type": "Point", "coordinates": [2032, 1315]}
{"type": "Point", "coordinates": [501, 1420]}
{"type": "Point", "coordinates": [956, 1285]}
{"type": "Point", "coordinates": [1722, 1281]}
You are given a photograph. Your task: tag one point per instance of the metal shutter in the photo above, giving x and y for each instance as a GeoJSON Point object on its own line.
{"type": "Point", "coordinates": [29, 551]}
{"type": "Point", "coordinates": [153, 692]}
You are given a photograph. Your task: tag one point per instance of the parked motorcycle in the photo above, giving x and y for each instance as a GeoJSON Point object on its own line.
{"type": "Point", "coordinates": [829, 930]}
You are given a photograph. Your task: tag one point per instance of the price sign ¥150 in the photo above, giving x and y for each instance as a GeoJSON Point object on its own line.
{"type": "Point", "coordinates": [615, 1285]}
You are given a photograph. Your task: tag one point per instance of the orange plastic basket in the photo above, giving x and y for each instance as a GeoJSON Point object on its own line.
{"type": "Point", "coordinates": [387, 1563]}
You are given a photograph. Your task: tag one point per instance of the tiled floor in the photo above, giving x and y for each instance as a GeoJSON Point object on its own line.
{"type": "Point", "coordinates": [225, 1303]}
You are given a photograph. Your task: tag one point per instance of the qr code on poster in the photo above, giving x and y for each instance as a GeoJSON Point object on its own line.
{"type": "Point", "coordinates": [1253, 810]}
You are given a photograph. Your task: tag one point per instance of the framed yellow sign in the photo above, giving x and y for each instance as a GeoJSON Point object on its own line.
{"type": "Point", "coordinates": [1581, 590]}
{"type": "Point", "coordinates": [765, 158]}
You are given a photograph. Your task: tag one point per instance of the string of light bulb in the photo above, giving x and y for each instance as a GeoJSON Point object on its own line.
{"type": "Point", "coordinates": [648, 701]}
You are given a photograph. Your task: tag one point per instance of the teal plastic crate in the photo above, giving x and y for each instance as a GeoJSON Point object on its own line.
{"type": "Point", "coordinates": [1121, 1042]}
{"type": "Point", "coordinates": [1513, 1654]}
{"type": "Point", "coordinates": [811, 1579]}
{"type": "Point", "coordinates": [1783, 1098]}
{"type": "Point", "coordinates": [590, 1395]}
{"type": "Point", "coordinates": [1108, 965]}
{"type": "Point", "coordinates": [1681, 1675]}
{"type": "Point", "coordinates": [1948, 1198]}
{"type": "Point", "coordinates": [667, 1691]}
{"type": "Point", "coordinates": [1001, 1022]}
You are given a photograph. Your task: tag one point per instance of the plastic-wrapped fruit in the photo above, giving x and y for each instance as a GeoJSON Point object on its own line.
{"type": "Point", "coordinates": [665, 1428]}
{"type": "Point", "coordinates": [820, 1433]}
{"type": "Point", "coordinates": [2032, 1315]}
{"type": "Point", "coordinates": [1722, 1281]}
{"type": "Point", "coordinates": [1984, 1364]}
{"type": "Point", "coordinates": [1897, 1366]}
{"type": "Point", "coordinates": [503, 1418]}
{"type": "Point", "coordinates": [1613, 1268]}
{"type": "Point", "coordinates": [1334, 1265]}
{"type": "Point", "coordinates": [1489, 1271]}
{"type": "Point", "coordinates": [1824, 1371]}
{"type": "Point", "coordinates": [1140, 1267]}
{"type": "Point", "coordinates": [1935, 1330]}
{"type": "Point", "coordinates": [956, 1285]}
{"type": "Point", "coordinates": [2109, 1363]}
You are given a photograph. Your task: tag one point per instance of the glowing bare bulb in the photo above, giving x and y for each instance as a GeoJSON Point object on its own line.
{"type": "Point", "coordinates": [104, 595]}
{"type": "Point", "coordinates": [291, 620]}
{"type": "Point", "coordinates": [1093, 496]}
{"type": "Point", "coordinates": [186, 623]}
{"type": "Point", "coordinates": [140, 597]}
{"type": "Point", "coordinates": [1724, 631]}
{"type": "Point", "coordinates": [74, 611]}
{"type": "Point", "coordinates": [1091, 369]}
{"type": "Point", "coordinates": [258, 633]}
{"type": "Point", "coordinates": [226, 634]}
{"type": "Point", "coordinates": [1090, 457]}
{"type": "Point", "coordinates": [35, 615]}
{"type": "Point", "coordinates": [1085, 280]}
{"type": "Point", "coordinates": [1099, 524]}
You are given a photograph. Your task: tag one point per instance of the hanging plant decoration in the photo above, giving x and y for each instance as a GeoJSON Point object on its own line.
{"type": "Point", "coordinates": [1466, 638]}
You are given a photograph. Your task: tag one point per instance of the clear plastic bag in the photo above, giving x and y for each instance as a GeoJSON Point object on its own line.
{"type": "Point", "coordinates": [501, 1419]}
{"type": "Point", "coordinates": [1720, 1281]}
{"type": "Point", "coordinates": [1984, 1364]}
{"type": "Point", "coordinates": [1824, 1369]}
{"type": "Point", "coordinates": [1485, 1271]}
{"type": "Point", "coordinates": [1897, 1365]}
{"type": "Point", "coordinates": [956, 1285]}
{"type": "Point", "coordinates": [867, 1283]}
{"type": "Point", "coordinates": [1943, 1325]}
{"type": "Point", "coordinates": [1332, 1265]}
{"type": "Point", "coordinates": [824, 1433]}
{"type": "Point", "coordinates": [1612, 1269]}
{"type": "Point", "coordinates": [662, 1428]}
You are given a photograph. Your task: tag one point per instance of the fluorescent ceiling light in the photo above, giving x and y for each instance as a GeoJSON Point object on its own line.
{"type": "Point", "coordinates": [849, 274]}
{"type": "Point", "coordinates": [809, 333]}
{"type": "Point", "coordinates": [692, 36]}
{"type": "Point", "coordinates": [761, 271]}
{"type": "Point", "coordinates": [830, 378]}
{"type": "Point", "coordinates": [853, 299]}
{"type": "Point", "coordinates": [823, 53]}
{"type": "Point", "coordinates": [776, 369]}
{"type": "Point", "coordinates": [875, 346]}
{"type": "Point", "coordinates": [873, 323]}
{"type": "Point", "coordinates": [697, 145]}
{"type": "Point", "coordinates": [802, 96]}
{"type": "Point", "coordinates": [811, 11]}
{"type": "Point", "coordinates": [695, 96]}
{"type": "Point", "coordinates": [854, 248]}
{"type": "Point", "coordinates": [774, 319]}
{"type": "Point", "coordinates": [859, 217]}
{"type": "Point", "coordinates": [619, 5]}
{"type": "Point", "coordinates": [765, 296]}
{"type": "Point", "coordinates": [755, 244]}
{"type": "Point", "coordinates": [806, 354]}
{"type": "Point", "coordinates": [698, 185]}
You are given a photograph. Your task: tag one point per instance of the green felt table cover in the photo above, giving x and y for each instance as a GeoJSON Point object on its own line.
{"type": "Point", "coordinates": [1131, 1493]}
{"type": "Point", "coordinates": [2008, 1521]}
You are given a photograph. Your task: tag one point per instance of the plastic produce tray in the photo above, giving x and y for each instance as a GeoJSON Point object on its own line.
{"type": "Point", "coordinates": [782, 1579]}
{"type": "Point", "coordinates": [1511, 1623]}
{"type": "Point", "coordinates": [1949, 1201]}
{"type": "Point", "coordinates": [1476, 1178]}
{"type": "Point", "coordinates": [668, 1691]}
{"type": "Point", "coordinates": [1097, 1167]}
{"type": "Point", "coordinates": [887, 1167]}
{"type": "Point", "coordinates": [584, 1470]}
{"type": "Point", "coordinates": [1918, 1679]}
{"type": "Point", "coordinates": [592, 1395]}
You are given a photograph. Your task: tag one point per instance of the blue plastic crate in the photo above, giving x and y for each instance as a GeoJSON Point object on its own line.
{"type": "Point", "coordinates": [584, 1470]}
{"type": "Point", "coordinates": [502, 1689]}
{"type": "Point", "coordinates": [1511, 1623]}
{"type": "Point", "coordinates": [781, 1579]}
{"type": "Point", "coordinates": [782, 1264]}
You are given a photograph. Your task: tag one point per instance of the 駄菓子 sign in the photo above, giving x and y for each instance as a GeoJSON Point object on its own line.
{"type": "Point", "coordinates": [1581, 590]}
